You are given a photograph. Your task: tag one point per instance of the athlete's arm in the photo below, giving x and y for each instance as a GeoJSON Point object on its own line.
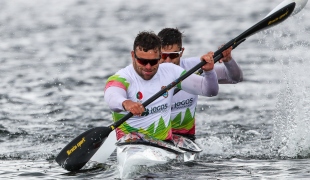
{"type": "Point", "coordinates": [228, 72]}
{"type": "Point", "coordinates": [114, 97]}
{"type": "Point", "coordinates": [201, 85]}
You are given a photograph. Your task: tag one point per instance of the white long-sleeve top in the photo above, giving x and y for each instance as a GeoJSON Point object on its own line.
{"type": "Point", "coordinates": [184, 103]}
{"type": "Point", "coordinates": [155, 121]}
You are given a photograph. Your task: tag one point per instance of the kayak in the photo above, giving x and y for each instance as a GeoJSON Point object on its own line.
{"type": "Point", "coordinates": [136, 150]}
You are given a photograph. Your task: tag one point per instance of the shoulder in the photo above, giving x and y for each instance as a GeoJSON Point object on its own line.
{"type": "Point", "coordinates": [188, 63]}
{"type": "Point", "coordinates": [123, 74]}
{"type": "Point", "coordinates": [170, 68]}
{"type": "Point", "coordinates": [126, 70]}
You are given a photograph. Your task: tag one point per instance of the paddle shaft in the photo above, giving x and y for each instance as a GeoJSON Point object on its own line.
{"type": "Point", "coordinates": [166, 89]}
{"type": "Point", "coordinates": [273, 19]}
{"type": "Point", "coordinates": [80, 150]}
{"type": "Point", "coordinates": [200, 71]}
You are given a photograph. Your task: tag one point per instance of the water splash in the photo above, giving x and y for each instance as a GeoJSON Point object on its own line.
{"type": "Point", "coordinates": [216, 146]}
{"type": "Point", "coordinates": [291, 119]}
{"type": "Point", "coordinates": [291, 122]}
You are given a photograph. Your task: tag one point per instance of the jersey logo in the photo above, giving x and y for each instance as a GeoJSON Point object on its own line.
{"type": "Point", "coordinates": [156, 109]}
{"type": "Point", "coordinates": [139, 96]}
{"type": "Point", "coordinates": [165, 95]}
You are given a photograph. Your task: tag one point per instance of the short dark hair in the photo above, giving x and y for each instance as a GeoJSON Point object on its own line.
{"type": "Point", "coordinates": [147, 40]}
{"type": "Point", "coordinates": [170, 36]}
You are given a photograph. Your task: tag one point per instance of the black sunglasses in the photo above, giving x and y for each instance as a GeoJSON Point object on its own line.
{"type": "Point", "coordinates": [171, 55]}
{"type": "Point", "coordinates": [144, 62]}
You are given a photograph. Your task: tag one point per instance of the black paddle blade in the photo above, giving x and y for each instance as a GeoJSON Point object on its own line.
{"type": "Point", "coordinates": [80, 150]}
{"type": "Point", "coordinates": [273, 19]}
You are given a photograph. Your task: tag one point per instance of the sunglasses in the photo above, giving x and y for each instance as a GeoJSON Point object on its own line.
{"type": "Point", "coordinates": [144, 62]}
{"type": "Point", "coordinates": [171, 55]}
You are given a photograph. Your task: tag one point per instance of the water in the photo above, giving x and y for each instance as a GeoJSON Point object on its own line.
{"type": "Point", "coordinates": [56, 56]}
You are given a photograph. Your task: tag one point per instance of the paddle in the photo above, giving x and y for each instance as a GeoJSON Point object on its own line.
{"type": "Point", "coordinates": [200, 71]}
{"type": "Point", "coordinates": [108, 146]}
{"type": "Point", "coordinates": [80, 150]}
{"type": "Point", "coordinates": [300, 4]}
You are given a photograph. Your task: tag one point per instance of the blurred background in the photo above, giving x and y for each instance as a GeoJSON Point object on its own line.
{"type": "Point", "coordinates": [55, 57]}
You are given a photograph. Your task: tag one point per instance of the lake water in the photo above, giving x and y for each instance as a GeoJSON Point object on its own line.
{"type": "Point", "coordinates": [55, 57]}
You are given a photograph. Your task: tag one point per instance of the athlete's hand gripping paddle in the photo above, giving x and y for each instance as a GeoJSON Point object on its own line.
{"type": "Point", "coordinates": [80, 150]}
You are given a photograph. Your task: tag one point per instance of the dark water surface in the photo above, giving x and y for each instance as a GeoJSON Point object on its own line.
{"type": "Point", "coordinates": [55, 57]}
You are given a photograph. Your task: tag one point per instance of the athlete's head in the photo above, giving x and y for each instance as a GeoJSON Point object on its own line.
{"type": "Point", "coordinates": [171, 45]}
{"type": "Point", "coordinates": [146, 54]}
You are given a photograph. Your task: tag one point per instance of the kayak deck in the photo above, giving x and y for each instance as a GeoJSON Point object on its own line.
{"type": "Point", "coordinates": [136, 149]}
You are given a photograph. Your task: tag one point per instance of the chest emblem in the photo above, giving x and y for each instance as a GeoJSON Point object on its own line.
{"type": "Point", "coordinates": [139, 96]}
{"type": "Point", "coordinates": [165, 95]}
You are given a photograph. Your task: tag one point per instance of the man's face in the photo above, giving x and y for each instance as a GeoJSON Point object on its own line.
{"type": "Point", "coordinates": [171, 54]}
{"type": "Point", "coordinates": [145, 63]}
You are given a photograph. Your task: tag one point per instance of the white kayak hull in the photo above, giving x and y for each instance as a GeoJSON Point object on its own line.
{"type": "Point", "coordinates": [131, 158]}
{"type": "Point", "coordinates": [137, 150]}
{"type": "Point", "coordinates": [134, 154]}
{"type": "Point", "coordinates": [128, 155]}
{"type": "Point", "coordinates": [148, 155]}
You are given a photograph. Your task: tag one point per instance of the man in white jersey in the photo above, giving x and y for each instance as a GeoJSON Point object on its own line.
{"type": "Point", "coordinates": [184, 104]}
{"type": "Point", "coordinates": [127, 89]}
